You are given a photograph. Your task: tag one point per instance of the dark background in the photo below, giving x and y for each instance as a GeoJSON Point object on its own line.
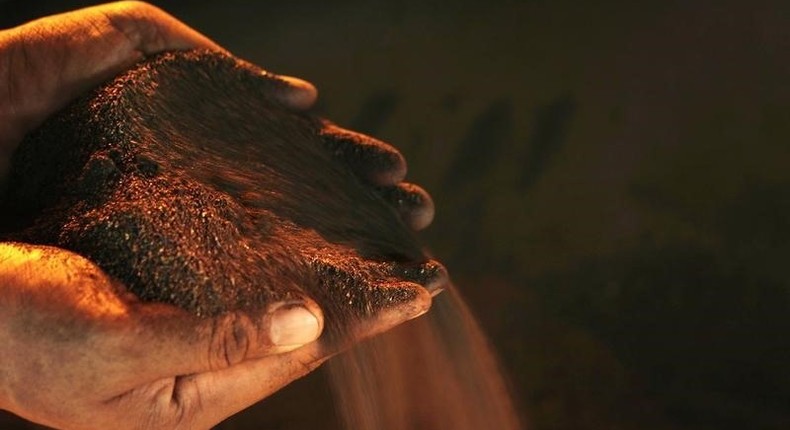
{"type": "Point", "coordinates": [611, 181]}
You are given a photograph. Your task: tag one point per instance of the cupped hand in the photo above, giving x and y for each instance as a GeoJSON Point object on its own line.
{"type": "Point", "coordinates": [46, 63]}
{"type": "Point", "coordinates": [80, 352]}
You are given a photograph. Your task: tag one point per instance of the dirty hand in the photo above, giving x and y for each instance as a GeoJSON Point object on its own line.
{"type": "Point", "coordinates": [80, 352]}
{"type": "Point", "coordinates": [46, 63]}
{"type": "Point", "coordinates": [77, 350]}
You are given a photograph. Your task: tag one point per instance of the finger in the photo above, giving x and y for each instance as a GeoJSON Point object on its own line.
{"type": "Point", "coordinates": [431, 275]}
{"type": "Point", "coordinates": [203, 400]}
{"type": "Point", "coordinates": [413, 204]}
{"type": "Point", "coordinates": [233, 389]}
{"type": "Point", "coordinates": [168, 341]}
{"type": "Point", "coordinates": [372, 160]}
{"type": "Point", "coordinates": [54, 59]}
{"type": "Point", "coordinates": [294, 93]}
{"type": "Point", "coordinates": [297, 93]}
{"type": "Point", "coordinates": [147, 28]}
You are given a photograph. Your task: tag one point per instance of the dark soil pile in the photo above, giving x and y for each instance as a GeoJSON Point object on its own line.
{"type": "Point", "coordinates": [185, 181]}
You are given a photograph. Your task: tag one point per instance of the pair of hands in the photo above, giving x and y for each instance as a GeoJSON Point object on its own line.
{"type": "Point", "coordinates": [80, 352]}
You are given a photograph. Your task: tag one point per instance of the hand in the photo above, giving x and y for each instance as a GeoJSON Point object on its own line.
{"type": "Point", "coordinates": [79, 352]}
{"type": "Point", "coordinates": [46, 63]}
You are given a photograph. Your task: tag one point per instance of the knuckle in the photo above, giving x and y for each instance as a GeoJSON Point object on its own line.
{"type": "Point", "coordinates": [231, 336]}
{"type": "Point", "coordinates": [185, 405]}
{"type": "Point", "coordinates": [138, 22]}
{"type": "Point", "coordinates": [175, 404]}
{"type": "Point", "coordinates": [136, 5]}
{"type": "Point", "coordinates": [159, 405]}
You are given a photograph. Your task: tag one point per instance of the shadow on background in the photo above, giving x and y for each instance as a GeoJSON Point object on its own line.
{"type": "Point", "coordinates": [611, 180]}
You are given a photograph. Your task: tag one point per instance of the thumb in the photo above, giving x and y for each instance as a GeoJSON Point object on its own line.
{"type": "Point", "coordinates": [170, 341]}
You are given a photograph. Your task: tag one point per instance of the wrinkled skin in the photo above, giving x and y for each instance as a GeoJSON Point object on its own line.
{"type": "Point", "coordinates": [80, 351]}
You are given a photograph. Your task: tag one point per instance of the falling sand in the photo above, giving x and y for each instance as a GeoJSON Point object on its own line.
{"type": "Point", "coordinates": [185, 181]}
{"type": "Point", "coordinates": [436, 372]}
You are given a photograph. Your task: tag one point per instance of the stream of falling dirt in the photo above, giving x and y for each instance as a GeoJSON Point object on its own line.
{"type": "Point", "coordinates": [437, 372]}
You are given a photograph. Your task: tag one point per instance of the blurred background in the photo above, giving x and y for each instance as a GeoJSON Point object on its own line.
{"type": "Point", "coordinates": [611, 178]}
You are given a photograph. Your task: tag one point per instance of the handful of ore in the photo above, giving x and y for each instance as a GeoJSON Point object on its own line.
{"type": "Point", "coordinates": [186, 182]}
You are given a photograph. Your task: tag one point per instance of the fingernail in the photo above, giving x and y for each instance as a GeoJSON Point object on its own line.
{"type": "Point", "coordinates": [293, 326]}
{"type": "Point", "coordinates": [303, 94]}
{"type": "Point", "coordinates": [299, 83]}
